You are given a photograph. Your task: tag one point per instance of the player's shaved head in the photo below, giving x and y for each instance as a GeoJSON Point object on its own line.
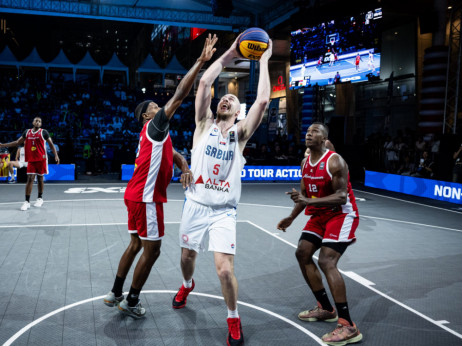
{"type": "Point", "coordinates": [324, 127]}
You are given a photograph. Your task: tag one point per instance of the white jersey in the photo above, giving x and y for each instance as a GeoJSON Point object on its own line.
{"type": "Point", "coordinates": [216, 163]}
{"type": "Point", "coordinates": [22, 155]}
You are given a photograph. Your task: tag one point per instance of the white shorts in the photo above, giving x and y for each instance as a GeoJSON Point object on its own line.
{"type": "Point", "coordinates": [199, 222]}
{"type": "Point", "coordinates": [22, 164]}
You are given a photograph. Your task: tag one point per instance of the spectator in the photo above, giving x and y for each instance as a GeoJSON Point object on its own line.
{"type": "Point", "coordinates": [425, 168]}
{"type": "Point", "coordinates": [407, 166]}
{"type": "Point", "coordinates": [457, 170]}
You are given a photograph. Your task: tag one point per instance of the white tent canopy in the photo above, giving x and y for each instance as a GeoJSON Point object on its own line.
{"type": "Point", "coordinates": [115, 65]}
{"type": "Point", "coordinates": [8, 58]}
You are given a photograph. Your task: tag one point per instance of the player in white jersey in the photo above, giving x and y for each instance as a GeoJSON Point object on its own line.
{"type": "Point", "coordinates": [20, 162]}
{"type": "Point", "coordinates": [216, 163]}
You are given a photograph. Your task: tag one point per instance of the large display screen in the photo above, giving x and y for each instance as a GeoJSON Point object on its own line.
{"type": "Point", "coordinates": [339, 50]}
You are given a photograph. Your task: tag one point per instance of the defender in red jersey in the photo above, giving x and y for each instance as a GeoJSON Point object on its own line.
{"type": "Point", "coordinates": [327, 196]}
{"type": "Point", "coordinates": [147, 189]}
{"type": "Point", "coordinates": [36, 158]}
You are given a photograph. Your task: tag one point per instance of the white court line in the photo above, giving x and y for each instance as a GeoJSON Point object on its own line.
{"type": "Point", "coordinates": [403, 200]}
{"type": "Point", "coordinates": [37, 321]}
{"type": "Point", "coordinates": [87, 224]}
{"type": "Point", "coordinates": [368, 284]}
{"type": "Point", "coordinates": [84, 200]}
{"type": "Point", "coordinates": [410, 223]}
{"type": "Point", "coordinates": [70, 200]}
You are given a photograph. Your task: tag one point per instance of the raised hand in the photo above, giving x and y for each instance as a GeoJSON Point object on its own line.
{"type": "Point", "coordinates": [268, 52]}
{"type": "Point", "coordinates": [208, 50]}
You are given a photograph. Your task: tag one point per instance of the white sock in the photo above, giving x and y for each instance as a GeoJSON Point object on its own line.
{"type": "Point", "coordinates": [187, 283]}
{"type": "Point", "coordinates": [233, 313]}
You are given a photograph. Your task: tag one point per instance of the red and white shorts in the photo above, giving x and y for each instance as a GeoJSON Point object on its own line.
{"type": "Point", "coordinates": [333, 227]}
{"type": "Point", "coordinates": [37, 167]}
{"type": "Point", "coordinates": [146, 219]}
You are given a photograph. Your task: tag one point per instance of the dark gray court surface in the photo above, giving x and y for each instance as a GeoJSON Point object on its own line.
{"type": "Point", "coordinates": [403, 277]}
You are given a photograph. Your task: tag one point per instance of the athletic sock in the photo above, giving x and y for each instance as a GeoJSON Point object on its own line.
{"type": "Point", "coordinates": [187, 283]}
{"type": "Point", "coordinates": [344, 312]}
{"type": "Point", "coordinates": [133, 296]}
{"type": "Point", "coordinates": [40, 195]}
{"type": "Point", "coordinates": [118, 286]}
{"type": "Point", "coordinates": [323, 299]}
{"type": "Point", "coordinates": [28, 198]}
{"type": "Point", "coordinates": [233, 313]}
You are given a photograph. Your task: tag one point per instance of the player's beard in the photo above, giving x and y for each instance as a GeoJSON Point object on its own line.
{"type": "Point", "coordinates": [224, 116]}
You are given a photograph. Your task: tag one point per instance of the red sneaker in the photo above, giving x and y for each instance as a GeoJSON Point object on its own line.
{"type": "Point", "coordinates": [235, 336]}
{"type": "Point", "coordinates": [179, 301]}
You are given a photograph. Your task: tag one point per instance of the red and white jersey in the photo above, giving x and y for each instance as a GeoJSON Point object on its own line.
{"type": "Point", "coordinates": [318, 183]}
{"type": "Point", "coordinates": [34, 146]}
{"type": "Point", "coordinates": [216, 164]}
{"type": "Point", "coordinates": [153, 170]}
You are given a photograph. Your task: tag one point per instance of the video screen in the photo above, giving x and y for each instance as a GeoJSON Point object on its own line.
{"type": "Point", "coordinates": [340, 50]}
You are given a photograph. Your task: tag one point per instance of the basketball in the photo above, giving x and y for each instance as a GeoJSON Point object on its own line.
{"type": "Point", "coordinates": [253, 43]}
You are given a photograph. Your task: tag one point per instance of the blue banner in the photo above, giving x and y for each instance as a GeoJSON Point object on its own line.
{"type": "Point", "coordinates": [435, 189]}
{"type": "Point", "coordinates": [56, 172]}
{"type": "Point", "coordinates": [249, 173]}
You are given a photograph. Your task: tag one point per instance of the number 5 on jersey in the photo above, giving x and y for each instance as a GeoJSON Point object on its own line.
{"type": "Point", "coordinates": [216, 169]}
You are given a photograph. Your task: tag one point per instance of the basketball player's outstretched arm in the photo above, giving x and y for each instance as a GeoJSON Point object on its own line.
{"type": "Point", "coordinates": [186, 177]}
{"type": "Point", "coordinates": [339, 171]}
{"type": "Point", "coordinates": [204, 93]}
{"type": "Point", "coordinates": [253, 119]}
{"type": "Point", "coordinates": [16, 143]}
{"type": "Point", "coordinates": [187, 82]}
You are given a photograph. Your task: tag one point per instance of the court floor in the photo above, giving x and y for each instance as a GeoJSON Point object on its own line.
{"type": "Point", "coordinates": [403, 276]}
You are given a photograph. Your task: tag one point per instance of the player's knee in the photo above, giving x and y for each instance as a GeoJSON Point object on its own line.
{"type": "Point", "coordinates": [135, 246]}
{"type": "Point", "coordinates": [188, 256]}
{"type": "Point", "coordinates": [302, 256]}
{"type": "Point", "coordinates": [326, 263]}
{"type": "Point", "coordinates": [225, 274]}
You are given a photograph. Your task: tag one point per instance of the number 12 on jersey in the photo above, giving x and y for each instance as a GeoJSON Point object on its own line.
{"type": "Point", "coordinates": [312, 188]}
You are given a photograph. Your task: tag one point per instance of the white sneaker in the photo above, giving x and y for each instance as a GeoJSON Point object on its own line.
{"type": "Point", "coordinates": [111, 299]}
{"type": "Point", "coordinates": [38, 203]}
{"type": "Point", "coordinates": [136, 312]}
{"type": "Point", "coordinates": [25, 206]}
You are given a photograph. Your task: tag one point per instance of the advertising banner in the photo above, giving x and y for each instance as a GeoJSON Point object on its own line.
{"type": "Point", "coordinates": [435, 189]}
{"type": "Point", "coordinates": [249, 173]}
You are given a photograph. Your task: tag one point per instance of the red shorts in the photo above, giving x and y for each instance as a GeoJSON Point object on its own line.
{"type": "Point", "coordinates": [333, 227]}
{"type": "Point", "coordinates": [37, 167]}
{"type": "Point", "coordinates": [146, 219]}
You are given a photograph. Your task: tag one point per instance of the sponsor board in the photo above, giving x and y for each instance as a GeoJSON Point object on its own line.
{"type": "Point", "coordinates": [249, 173]}
{"type": "Point", "coordinates": [435, 189]}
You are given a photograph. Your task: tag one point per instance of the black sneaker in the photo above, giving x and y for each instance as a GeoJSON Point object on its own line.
{"type": "Point", "coordinates": [179, 301]}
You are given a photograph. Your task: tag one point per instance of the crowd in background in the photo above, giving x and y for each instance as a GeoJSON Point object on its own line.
{"type": "Point", "coordinates": [93, 126]}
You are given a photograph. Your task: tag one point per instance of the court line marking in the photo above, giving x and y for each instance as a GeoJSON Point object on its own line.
{"type": "Point", "coordinates": [403, 200]}
{"type": "Point", "coordinates": [89, 224]}
{"type": "Point", "coordinates": [261, 183]}
{"type": "Point", "coordinates": [182, 200]}
{"type": "Point", "coordinates": [52, 313]}
{"type": "Point", "coordinates": [368, 284]}
{"type": "Point", "coordinates": [352, 275]}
